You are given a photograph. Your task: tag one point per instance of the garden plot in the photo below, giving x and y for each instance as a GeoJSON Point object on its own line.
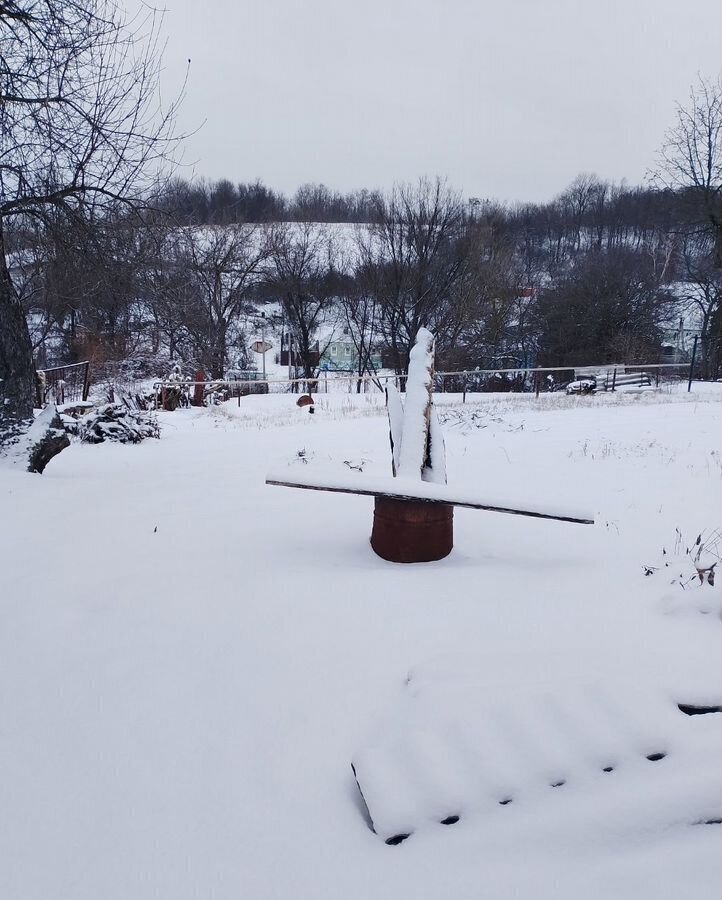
{"type": "Point", "coordinates": [192, 660]}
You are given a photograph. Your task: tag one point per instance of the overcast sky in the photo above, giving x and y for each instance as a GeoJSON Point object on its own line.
{"type": "Point", "coordinates": [507, 98]}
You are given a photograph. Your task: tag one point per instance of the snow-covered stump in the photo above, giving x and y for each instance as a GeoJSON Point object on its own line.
{"type": "Point", "coordinates": [45, 439]}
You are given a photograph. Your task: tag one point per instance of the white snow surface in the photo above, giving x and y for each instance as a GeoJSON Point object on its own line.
{"type": "Point", "coordinates": [190, 659]}
{"type": "Point", "coordinates": [628, 759]}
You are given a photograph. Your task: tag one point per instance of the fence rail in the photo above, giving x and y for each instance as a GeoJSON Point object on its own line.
{"type": "Point", "coordinates": [518, 380]}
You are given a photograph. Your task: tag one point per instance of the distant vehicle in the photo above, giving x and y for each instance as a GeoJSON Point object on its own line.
{"type": "Point", "coordinates": [582, 386]}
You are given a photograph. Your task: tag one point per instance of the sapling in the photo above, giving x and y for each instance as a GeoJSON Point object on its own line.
{"type": "Point", "coordinates": [696, 562]}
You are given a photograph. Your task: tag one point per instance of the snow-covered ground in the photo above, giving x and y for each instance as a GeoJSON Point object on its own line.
{"type": "Point", "coordinates": [190, 659]}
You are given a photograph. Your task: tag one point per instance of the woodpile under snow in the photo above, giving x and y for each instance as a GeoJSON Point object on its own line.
{"type": "Point", "coordinates": [114, 422]}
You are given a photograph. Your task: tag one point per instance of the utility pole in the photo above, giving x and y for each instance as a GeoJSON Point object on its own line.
{"type": "Point", "coordinates": [691, 365]}
{"type": "Point", "coordinates": [263, 341]}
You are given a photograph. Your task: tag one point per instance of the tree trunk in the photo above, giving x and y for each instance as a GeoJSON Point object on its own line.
{"type": "Point", "coordinates": [218, 353]}
{"type": "Point", "coordinates": [17, 372]}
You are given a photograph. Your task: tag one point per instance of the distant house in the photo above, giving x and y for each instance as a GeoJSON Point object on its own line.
{"type": "Point", "coordinates": [677, 342]}
{"type": "Point", "coordinates": [341, 355]}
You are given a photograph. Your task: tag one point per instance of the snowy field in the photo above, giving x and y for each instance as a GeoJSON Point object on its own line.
{"type": "Point", "coordinates": [190, 659]}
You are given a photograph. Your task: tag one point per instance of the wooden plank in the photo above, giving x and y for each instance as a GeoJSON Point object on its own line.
{"type": "Point", "coordinates": [435, 469]}
{"type": "Point", "coordinates": [402, 489]}
{"type": "Point", "coordinates": [395, 411]}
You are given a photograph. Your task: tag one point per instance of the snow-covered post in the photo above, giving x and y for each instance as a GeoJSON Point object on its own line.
{"type": "Point", "coordinates": [417, 442]}
{"type": "Point", "coordinates": [200, 377]}
{"type": "Point", "coordinates": [408, 530]}
{"type": "Point", "coordinates": [419, 385]}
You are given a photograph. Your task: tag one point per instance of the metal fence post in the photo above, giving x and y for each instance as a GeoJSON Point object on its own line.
{"type": "Point", "coordinates": [86, 381]}
{"type": "Point", "coordinates": [691, 365]}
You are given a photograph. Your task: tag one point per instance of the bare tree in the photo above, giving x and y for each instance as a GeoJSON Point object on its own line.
{"type": "Point", "coordinates": [691, 156]}
{"type": "Point", "coordinates": [306, 282]}
{"type": "Point", "coordinates": [165, 285]}
{"type": "Point", "coordinates": [577, 199]}
{"type": "Point", "coordinates": [89, 271]}
{"type": "Point", "coordinates": [607, 308]}
{"type": "Point", "coordinates": [420, 256]}
{"type": "Point", "coordinates": [218, 268]}
{"type": "Point", "coordinates": [701, 292]}
{"type": "Point", "coordinates": [361, 311]}
{"type": "Point", "coordinates": [29, 266]}
{"type": "Point", "coordinates": [81, 126]}
{"type": "Point", "coordinates": [495, 291]}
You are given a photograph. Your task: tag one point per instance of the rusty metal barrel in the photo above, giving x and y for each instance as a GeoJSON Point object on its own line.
{"type": "Point", "coordinates": [409, 531]}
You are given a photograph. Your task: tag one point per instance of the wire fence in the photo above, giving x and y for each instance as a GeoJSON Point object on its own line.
{"type": "Point", "coordinates": [63, 384]}
{"type": "Point", "coordinates": [580, 379]}
{"type": "Point", "coordinates": [70, 384]}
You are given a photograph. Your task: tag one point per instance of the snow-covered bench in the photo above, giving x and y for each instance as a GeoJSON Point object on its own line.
{"type": "Point", "coordinates": [413, 515]}
{"type": "Point", "coordinates": [424, 492]}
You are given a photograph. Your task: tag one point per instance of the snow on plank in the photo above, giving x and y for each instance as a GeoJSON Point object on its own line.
{"type": "Point", "coordinates": [427, 492]}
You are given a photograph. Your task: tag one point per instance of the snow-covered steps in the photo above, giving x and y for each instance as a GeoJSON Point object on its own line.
{"type": "Point", "coordinates": [606, 757]}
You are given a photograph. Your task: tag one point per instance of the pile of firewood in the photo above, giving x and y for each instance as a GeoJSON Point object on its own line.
{"type": "Point", "coordinates": [113, 422]}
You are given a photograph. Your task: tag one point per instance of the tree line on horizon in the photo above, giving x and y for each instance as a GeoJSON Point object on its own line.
{"type": "Point", "coordinates": [593, 276]}
{"type": "Point", "coordinates": [99, 260]}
